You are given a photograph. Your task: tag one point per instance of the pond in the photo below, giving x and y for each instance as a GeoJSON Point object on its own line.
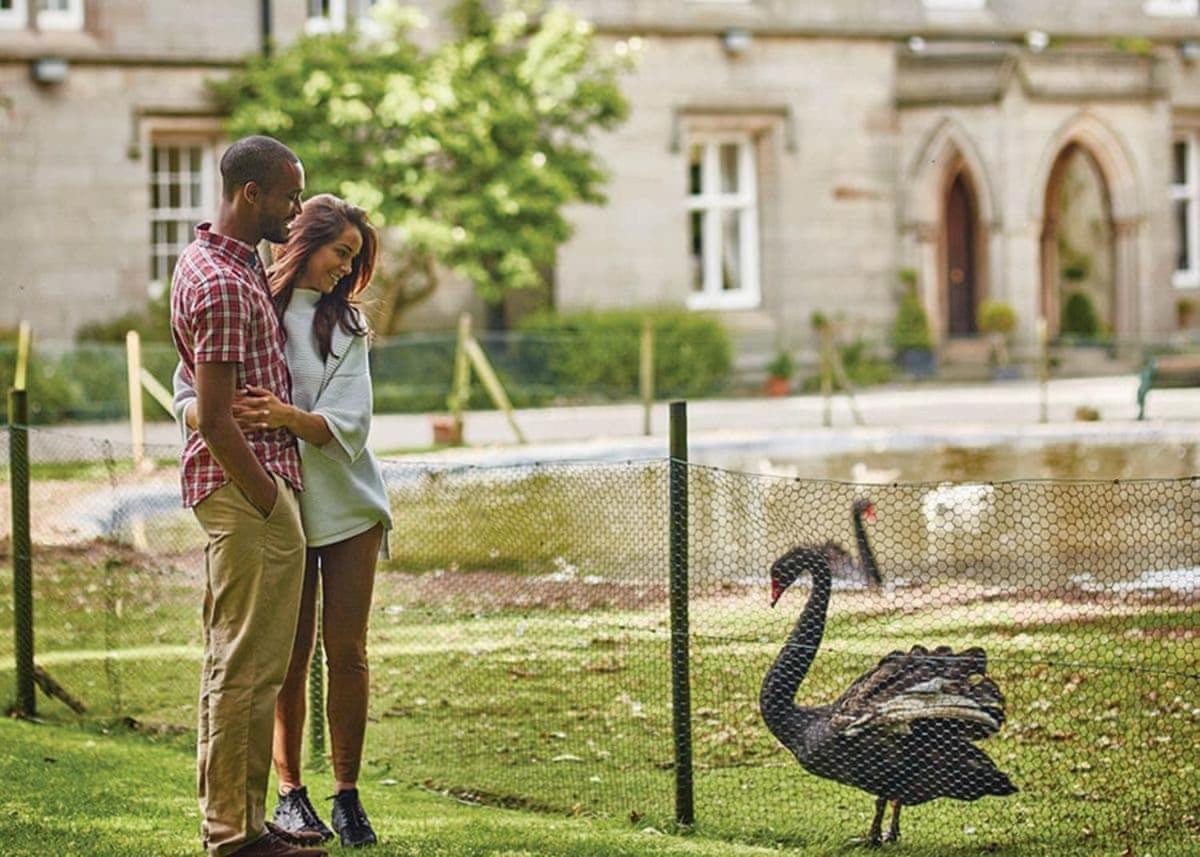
{"type": "Point", "coordinates": [951, 461]}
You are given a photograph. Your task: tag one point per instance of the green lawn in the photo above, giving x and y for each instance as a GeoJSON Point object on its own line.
{"type": "Point", "coordinates": [551, 696]}
{"type": "Point", "coordinates": [69, 791]}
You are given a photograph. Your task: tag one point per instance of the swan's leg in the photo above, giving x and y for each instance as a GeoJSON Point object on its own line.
{"type": "Point", "coordinates": [893, 833]}
{"type": "Point", "coordinates": [874, 840]}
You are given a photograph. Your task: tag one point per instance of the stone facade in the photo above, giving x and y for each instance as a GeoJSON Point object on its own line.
{"type": "Point", "coordinates": [879, 136]}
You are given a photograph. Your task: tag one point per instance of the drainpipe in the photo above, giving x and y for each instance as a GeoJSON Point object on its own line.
{"type": "Point", "coordinates": [265, 26]}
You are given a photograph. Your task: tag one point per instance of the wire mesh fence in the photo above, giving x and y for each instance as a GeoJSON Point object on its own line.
{"type": "Point", "coordinates": [412, 373]}
{"type": "Point", "coordinates": [520, 641]}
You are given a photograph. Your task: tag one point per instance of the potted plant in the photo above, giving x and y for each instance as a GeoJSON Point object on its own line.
{"type": "Point", "coordinates": [1185, 312]}
{"type": "Point", "coordinates": [911, 337]}
{"type": "Point", "coordinates": [998, 321]}
{"type": "Point", "coordinates": [779, 374]}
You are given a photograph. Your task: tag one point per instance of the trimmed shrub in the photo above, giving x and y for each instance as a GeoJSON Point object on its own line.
{"type": "Point", "coordinates": [153, 324]}
{"type": "Point", "coordinates": [1079, 316]}
{"type": "Point", "coordinates": [996, 317]}
{"type": "Point", "coordinates": [596, 353]}
{"type": "Point", "coordinates": [911, 330]}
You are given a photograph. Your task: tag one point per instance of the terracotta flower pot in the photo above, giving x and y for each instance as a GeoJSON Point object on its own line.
{"type": "Point", "coordinates": [447, 431]}
{"type": "Point", "coordinates": [778, 386]}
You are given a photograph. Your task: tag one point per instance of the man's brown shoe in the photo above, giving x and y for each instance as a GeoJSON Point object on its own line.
{"type": "Point", "coordinates": [270, 845]}
{"type": "Point", "coordinates": [298, 838]}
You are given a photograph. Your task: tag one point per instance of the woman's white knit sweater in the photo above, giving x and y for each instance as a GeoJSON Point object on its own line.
{"type": "Point", "coordinates": [343, 494]}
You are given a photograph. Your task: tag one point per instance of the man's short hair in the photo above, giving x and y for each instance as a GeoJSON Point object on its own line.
{"type": "Point", "coordinates": [253, 159]}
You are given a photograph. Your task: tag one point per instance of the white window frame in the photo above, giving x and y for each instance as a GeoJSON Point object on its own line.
{"type": "Point", "coordinates": [340, 14]}
{"type": "Point", "coordinates": [334, 22]}
{"type": "Point", "coordinates": [712, 202]}
{"type": "Point", "coordinates": [15, 18]}
{"type": "Point", "coordinates": [1189, 193]}
{"type": "Point", "coordinates": [70, 18]}
{"type": "Point", "coordinates": [196, 212]}
{"type": "Point", "coordinates": [955, 5]}
{"type": "Point", "coordinates": [1172, 8]}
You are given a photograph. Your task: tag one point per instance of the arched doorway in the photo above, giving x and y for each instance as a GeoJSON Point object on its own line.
{"type": "Point", "coordinates": [952, 218]}
{"type": "Point", "coordinates": [1079, 265]}
{"type": "Point", "coordinates": [961, 270]}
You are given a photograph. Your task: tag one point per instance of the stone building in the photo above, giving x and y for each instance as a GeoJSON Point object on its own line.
{"type": "Point", "coordinates": [781, 157]}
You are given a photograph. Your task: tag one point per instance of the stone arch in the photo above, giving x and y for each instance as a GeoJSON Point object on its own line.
{"type": "Point", "coordinates": [947, 156]}
{"type": "Point", "coordinates": [946, 142]}
{"type": "Point", "coordinates": [1087, 134]}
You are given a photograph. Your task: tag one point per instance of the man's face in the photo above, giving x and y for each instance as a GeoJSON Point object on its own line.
{"type": "Point", "coordinates": [279, 203]}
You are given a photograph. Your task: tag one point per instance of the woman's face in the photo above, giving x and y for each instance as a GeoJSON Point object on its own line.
{"type": "Point", "coordinates": [332, 261]}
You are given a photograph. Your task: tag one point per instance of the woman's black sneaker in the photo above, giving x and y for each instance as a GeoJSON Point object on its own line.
{"type": "Point", "coordinates": [350, 820]}
{"type": "Point", "coordinates": [295, 814]}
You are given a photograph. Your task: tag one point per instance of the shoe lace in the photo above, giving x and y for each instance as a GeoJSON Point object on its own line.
{"type": "Point", "coordinates": [307, 812]}
{"type": "Point", "coordinates": [352, 806]}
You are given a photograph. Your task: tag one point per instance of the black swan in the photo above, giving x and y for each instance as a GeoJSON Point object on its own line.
{"type": "Point", "coordinates": [843, 562]}
{"type": "Point", "coordinates": [902, 731]}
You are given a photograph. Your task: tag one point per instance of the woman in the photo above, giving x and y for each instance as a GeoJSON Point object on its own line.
{"type": "Point", "coordinates": [326, 263]}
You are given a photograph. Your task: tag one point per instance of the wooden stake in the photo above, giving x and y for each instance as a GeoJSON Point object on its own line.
{"type": "Point", "coordinates": [137, 422]}
{"type": "Point", "coordinates": [492, 384]}
{"type": "Point", "coordinates": [646, 374]}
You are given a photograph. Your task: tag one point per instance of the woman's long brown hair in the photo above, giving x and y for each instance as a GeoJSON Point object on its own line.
{"type": "Point", "coordinates": [322, 221]}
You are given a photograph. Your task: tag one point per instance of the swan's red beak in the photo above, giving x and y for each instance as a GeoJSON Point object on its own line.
{"type": "Point", "coordinates": [776, 591]}
{"type": "Point", "coordinates": [869, 514]}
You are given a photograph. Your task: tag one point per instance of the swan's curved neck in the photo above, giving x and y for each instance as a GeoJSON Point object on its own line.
{"type": "Point", "coordinates": [777, 698]}
{"type": "Point", "coordinates": [866, 556]}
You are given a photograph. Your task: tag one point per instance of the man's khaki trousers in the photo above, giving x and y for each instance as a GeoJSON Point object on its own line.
{"type": "Point", "coordinates": [254, 570]}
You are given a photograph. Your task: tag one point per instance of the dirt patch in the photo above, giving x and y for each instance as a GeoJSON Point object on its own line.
{"type": "Point", "coordinates": [100, 551]}
{"type": "Point", "coordinates": [493, 590]}
{"type": "Point", "coordinates": [1167, 633]}
{"type": "Point", "coordinates": [489, 591]}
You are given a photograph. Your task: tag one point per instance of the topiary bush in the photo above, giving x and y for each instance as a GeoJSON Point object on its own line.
{"type": "Point", "coordinates": [1079, 316]}
{"type": "Point", "coordinates": [910, 331]}
{"type": "Point", "coordinates": [996, 317]}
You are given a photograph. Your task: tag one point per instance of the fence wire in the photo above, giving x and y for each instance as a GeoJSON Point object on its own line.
{"type": "Point", "coordinates": [519, 643]}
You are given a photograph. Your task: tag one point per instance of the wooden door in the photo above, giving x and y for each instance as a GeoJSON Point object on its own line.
{"type": "Point", "coordinates": [961, 290]}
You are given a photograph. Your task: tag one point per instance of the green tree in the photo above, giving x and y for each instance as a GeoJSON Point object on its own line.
{"type": "Point", "coordinates": [467, 152]}
{"type": "Point", "coordinates": [910, 330]}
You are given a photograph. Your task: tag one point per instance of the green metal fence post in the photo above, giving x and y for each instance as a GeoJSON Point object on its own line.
{"type": "Point", "coordinates": [18, 468]}
{"type": "Point", "coordinates": [681, 694]}
{"type": "Point", "coordinates": [316, 695]}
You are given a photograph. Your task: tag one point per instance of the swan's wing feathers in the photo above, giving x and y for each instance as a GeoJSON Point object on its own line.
{"type": "Point", "coordinates": [940, 690]}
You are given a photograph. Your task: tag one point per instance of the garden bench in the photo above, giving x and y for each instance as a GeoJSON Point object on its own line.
{"type": "Point", "coordinates": [1168, 370]}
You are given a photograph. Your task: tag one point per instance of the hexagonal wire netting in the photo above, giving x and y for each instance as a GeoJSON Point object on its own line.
{"type": "Point", "coordinates": [1029, 647]}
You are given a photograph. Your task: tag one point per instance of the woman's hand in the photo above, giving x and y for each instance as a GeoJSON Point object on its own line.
{"type": "Point", "coordinates": [257, 408]}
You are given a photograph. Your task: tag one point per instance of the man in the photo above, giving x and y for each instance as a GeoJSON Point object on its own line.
{"type": "Point", "coordinates": [243, 491]}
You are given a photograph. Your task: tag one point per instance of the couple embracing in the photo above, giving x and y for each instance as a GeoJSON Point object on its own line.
{"type": "Point", "coordinates": [273, 395]}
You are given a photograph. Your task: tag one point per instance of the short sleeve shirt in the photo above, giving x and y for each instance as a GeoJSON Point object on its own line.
{"type": "Point", "coordinates": [221, 312]}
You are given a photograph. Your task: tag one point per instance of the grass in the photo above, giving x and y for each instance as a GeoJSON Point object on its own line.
{"type": "Point", "coordinates": [81, 792]}
{"type": "Point", "coordinates": [501, 687]}
{"type": "Point", "coordinates": [56, 471]}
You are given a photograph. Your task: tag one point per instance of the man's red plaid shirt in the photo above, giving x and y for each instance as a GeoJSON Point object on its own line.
{"type": "Point", "coordinates": [221, 312]}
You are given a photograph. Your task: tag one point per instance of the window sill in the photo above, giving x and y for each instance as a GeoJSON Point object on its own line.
{"type": "Point", "coordinates": [1186, 280]}
{"type": "Point", "coordinates": [322, 26]}
{"type": "Point", "coordinates": [732, 301]}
